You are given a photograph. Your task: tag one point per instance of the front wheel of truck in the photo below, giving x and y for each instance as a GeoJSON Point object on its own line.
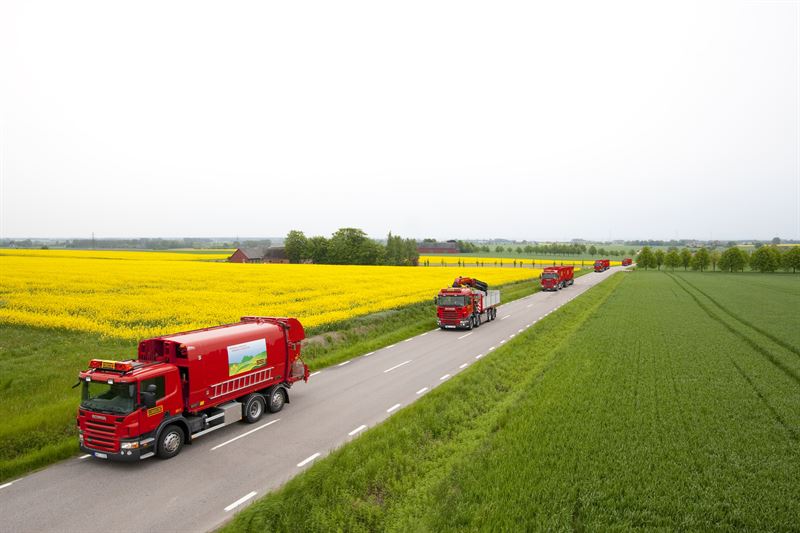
{"type": "Point", "coordinates": [170, 442]}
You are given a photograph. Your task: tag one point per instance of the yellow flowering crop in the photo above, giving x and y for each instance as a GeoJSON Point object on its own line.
{"type": "Point", "coordinates": [438, 260]}
{"type": "Point", "coordinates": [155, 294]}
{"type": "Point", "coordinates": [193, 255]}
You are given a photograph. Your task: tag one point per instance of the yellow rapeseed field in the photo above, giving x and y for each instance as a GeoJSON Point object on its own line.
{"type": "Point", "coordinates": [153, 293]}
{"type": "Point", "coordinates": [505, 261]}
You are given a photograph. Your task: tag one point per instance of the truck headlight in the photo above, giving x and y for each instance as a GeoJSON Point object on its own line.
{"type": "Point", "coordinates": [80, 438]}
{"type": "Point", "coordinates": [129, 445]}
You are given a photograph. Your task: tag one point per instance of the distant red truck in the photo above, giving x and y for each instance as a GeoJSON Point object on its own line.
{"type": "Point", "coordinates": [186, 385]}
{"type": "Point", "coordinates": [557, 277]}
{"type": "Point", "coordinates": [601, 265]}
{"type": "Point", "coordinates": [467, 304]}
{"type": "Point", "coordinates": [627, 261]}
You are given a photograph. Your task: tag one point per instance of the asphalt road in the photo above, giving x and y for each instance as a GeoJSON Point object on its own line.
{"type": "Point", "coordinates": [223, 472]}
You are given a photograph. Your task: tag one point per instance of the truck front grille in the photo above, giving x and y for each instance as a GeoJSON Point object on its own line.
{"type": "Point", "coordinates": [100, 436]}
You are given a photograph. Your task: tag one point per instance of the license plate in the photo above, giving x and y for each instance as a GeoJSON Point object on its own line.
{"type": "Point", "coordinates": [101, 455]}
{"type": "Point", "coordinates": [451, 327]}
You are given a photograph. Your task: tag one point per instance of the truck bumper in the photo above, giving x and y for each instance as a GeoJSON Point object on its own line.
{"type": "Point", "coordinates": [132, 455]}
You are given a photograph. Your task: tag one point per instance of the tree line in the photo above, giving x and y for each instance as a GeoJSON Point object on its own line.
{"type": "Point", "coordinates": [734, 259]}
{"type": "Point", "coordinates": [350, 246]}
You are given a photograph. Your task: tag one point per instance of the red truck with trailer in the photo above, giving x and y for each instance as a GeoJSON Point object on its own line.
{"type": "Point", "coordinates": [555, 278]}
{"type": "Point", "coordinates": [186, 385]}
{"type": "Point", "coordinates": [467, 304]}
{"type": "Point", "coordinates": [627, 261]}
{"type": "Point", "coordinates": [601, 265]}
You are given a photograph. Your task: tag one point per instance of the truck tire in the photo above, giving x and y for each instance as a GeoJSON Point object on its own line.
{"type": "Point", "coordinates": [253, 408]}
{"type": "Point", "coordinates": [277, 399]}
{"type": "Point", "coordinates": [170, 442]}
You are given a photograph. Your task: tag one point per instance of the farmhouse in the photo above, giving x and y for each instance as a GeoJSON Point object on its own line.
{"type": "Point", "coordinates": [259, 254]}
{"type": "Point", "coordinates": [437, 248]}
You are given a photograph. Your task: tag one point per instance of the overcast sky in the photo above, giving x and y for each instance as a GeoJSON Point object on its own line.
{"type": "Point", "coordinates": [521, 120]}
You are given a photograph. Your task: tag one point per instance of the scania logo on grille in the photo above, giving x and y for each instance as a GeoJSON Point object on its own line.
{"type": "Point", "coordinates": [98, 417]}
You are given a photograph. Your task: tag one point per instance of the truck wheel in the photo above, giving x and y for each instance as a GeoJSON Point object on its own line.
{"type": "Point", "coordinates": [277, 399]}
{"type": "Point", "coordinates": [170, 442]}
{"type": "Point", "coordinates": [253, 408]}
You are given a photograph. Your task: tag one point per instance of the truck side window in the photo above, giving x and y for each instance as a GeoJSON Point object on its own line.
{"type": "Point", "coordinates": [158, 382]}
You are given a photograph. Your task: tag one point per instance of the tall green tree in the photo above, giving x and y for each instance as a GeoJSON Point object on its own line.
{"type": "Point", "coordinates": [791, 259]}
{"type": "Point", "coordinates": [733, 259]}
{"type": "Point", "coordinates": [318, 249]}
{"type": "Point", "coordinates": [646, 258]}
{"type": "Point", "coordinates": [766, 259]}
{"type": "Point", "coordinates": [672, 259]}
{"type": "Point", "coordinates": [700, 260]}
{"type": "Point", "coordinates": [592, 250]}
{"type": "Point", "coordinates": [686, 258]}
{"type": "Point", "coordinates": [296, 246]}
{"type": "Point", "coordinates": [659, 257]}
{"type": "Point", "coordinates": [714, 257]}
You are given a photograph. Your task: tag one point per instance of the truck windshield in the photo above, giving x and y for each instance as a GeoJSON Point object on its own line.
{"type": "Point", "coordinates": [549, 275]}
{"type": "Point", "coordinates": [111, 398]}
{"type": "Point", "coordinates": [452, 301]}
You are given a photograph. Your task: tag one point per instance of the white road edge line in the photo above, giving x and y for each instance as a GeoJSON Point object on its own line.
{"type": "Point", "coordinates": [368, 354]}
{"type": "Point", "coordinates": [423, 389]}
{"type": "Point", "coordinates": [6, 485]}
{"type": "Point", "coordinates": [390, 346]}
{"type": "Point", "coordinates": [240, 501]}
{"type": "Point", "coordinates": [315, 373]}
{"type": "Point", "coordinates": [444, 377]}
{"type": "Point", "coordinates": [479, 356]}
{"type": "Point", "coordinates": [342, 364]}
{"type": "Point", "coordinates": [521, 330]}
{"type": "Point", "coordinates": [492, 348]}
{"type": "Point", "coordinates": [467, 335]}
{"type": "Point", "coordinates": [397, 366]}
{"type": "Point", "coordinates": [245, 434]}
{"type": "Point", "coordinates": [505, 317]}
{"type": "Point", "coordinates": [359, 428]}
{"type": "Point", "coordinates": [393, 408]}
{"type": "Point", "coordinates": [85, 456]}
{"type": "Point", "coordinates": [424, 333]}
{"type": "Point", "coordinates": [464, 365]}
{"type": "Point", "coordinates": [512, 335]}
{"type": "Point", "coordinates": [409, 339]}
{"type": "Point", "coordinates": [529, 305]}
{"type": "Point", "coordinates": [308, 460]}
{"type": "Point", "coordinates": [503, 341]}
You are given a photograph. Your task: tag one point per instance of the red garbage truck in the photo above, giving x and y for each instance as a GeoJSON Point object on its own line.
{"type": "Point", "coordinates": [627, 261]}
{"type": "Point", "coordinates": [555, 278]}
{"type": "Point", "coordinates": [601, 265]}
{"type": "Point", "coordinates": [186, 385]}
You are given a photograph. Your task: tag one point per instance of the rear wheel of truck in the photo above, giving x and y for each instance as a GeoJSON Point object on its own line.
{"type": "Point", "coordinates": [253, 408]}
{"type": "Point", "coordinates": [170, 442]}
{"type": "Point", "coordinates": [277, 399]}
